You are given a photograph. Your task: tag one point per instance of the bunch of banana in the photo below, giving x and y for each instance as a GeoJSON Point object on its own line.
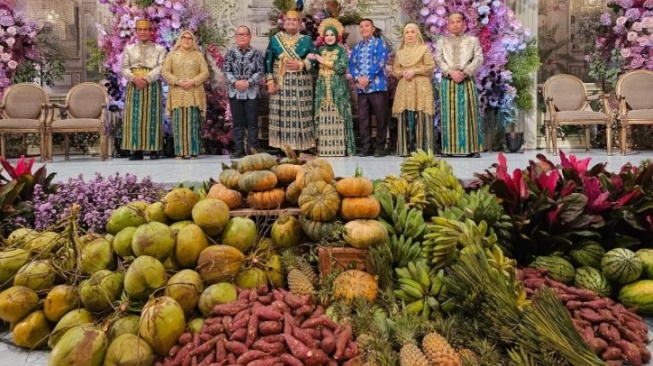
{"type": "Point", "coordinates": [404, 249]}
{"type": "Point", "coordinates": [442, 187]}
{"type": "Point", "coordinates": [418, 287]}
{"type": "Point", "coordinates": [445, 238]}
{"type": "Point", "coordinates": [413, 166]}
{"type": "Point", "coordinates": [399, 219]}
{"type": "Point", "coordinates": [414, 192]}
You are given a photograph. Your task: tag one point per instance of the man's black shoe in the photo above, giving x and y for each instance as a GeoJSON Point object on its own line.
{"type": "Point", "coordinates": [379, 154]}
{"type": "Point", "coordinates": [136, 156]}
{"type": "Point", "coordinates": [236, 155]}
{"type": "Point", "coordinates": [365, 153]}
{"type": "Point", "coordinates": [153, 155]}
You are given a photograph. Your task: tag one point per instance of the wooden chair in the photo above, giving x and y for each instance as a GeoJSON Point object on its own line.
{"type": "Point", "coordinates": [566, 102]}
{"type": "Point", "coordinates": [84, 111]}
{"type": "Point", "coordinates": [635, 102]}
{"type": "Point", "coordinates": [23, 110]}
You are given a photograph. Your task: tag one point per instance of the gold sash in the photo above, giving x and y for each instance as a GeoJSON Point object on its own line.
{"type": "Point", "coordinates": [140, 72]}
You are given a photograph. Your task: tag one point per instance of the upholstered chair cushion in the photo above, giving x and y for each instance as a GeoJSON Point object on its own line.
{"type": "Point", "coordinates": [87, 101]}
{"type": "Point", "coordinates": [637, 90]}
{"type": "Point", "coordinates": [641, 114]}
{"type": "Point", "coordinates": [24, 101]}
{"type": "Point", "coordinates": [580, 115]}
{"type": "Point", "coordinates": [568, 94]}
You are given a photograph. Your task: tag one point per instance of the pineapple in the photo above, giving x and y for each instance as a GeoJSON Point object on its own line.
{"type": "Point", "coordinates": [405, 328]}
{"type": "Point", "coordinates": [299, 283]}
{"type": "Point", "coordinates": [468, 357]}
{"type": "Point", "coordinates": [300, 275]}
{"type": "Point", "coordinates": [439, 352]}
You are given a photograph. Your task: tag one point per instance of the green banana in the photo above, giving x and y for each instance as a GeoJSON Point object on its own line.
{"type": "Point", "coordinates": [415, 307]}
{"type": "Point", "coordinates": [412, 268]}
{"type": "Point", "coordinates": [402, 295]}
{"type": "Point", "coordinates": [437, 282]}
{"type": "Point", "coordinates": [402, 272]}
{"type": "Point", "coordinates": [411, 291]}
{"type": "Point", "coordinates": [412, 283]}
{"type": "Point", "coordinates": [424, 279]}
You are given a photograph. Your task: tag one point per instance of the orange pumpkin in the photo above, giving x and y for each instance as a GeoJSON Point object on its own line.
{"type": "Point", "coordinates": [260, 161]}
{"type": "Point", "coordinates": [232, 198]}
{"type": "Point", "coordinates": [320, 201]}
{"type": "Point", "coordinates": [353, 283]}
{"type": "Point", "coordinates": [229, 177]}
{"type": "Point", "coordinates": [257, 180]}
{"type": "Point", "coordinates": [266, 200]}
{"type": "Point", "coordinates": [353, 208]}
{"type": "Point", "coordinates": [292, 193]}
{"type": "Point", "coordinates": [356, 186]}
{"type": "Point", "coordinates": [362, 234]}
{"type": "Point", "coordinates": [286, 173]}
{"type": "Point", "coordinates": [314, 171]}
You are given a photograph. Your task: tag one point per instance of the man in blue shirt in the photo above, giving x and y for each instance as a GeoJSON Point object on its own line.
{"type": "Point", "coordinates": [367, 67]}
{"type": "Point", "coordinates": [243, 67]}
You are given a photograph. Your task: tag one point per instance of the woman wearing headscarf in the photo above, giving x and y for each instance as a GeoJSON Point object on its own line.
{"type": "Point", "coordinates": [413, 104]}
{"type": "Point", "coordinates": [186, 70]}
{"type": "Point", "coordinates": [459, 56]}
{"type": "Point", "coordinates": [333, 119]}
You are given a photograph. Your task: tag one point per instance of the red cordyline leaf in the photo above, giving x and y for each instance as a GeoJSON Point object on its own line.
{"type": "Point", "coordinates": [548, 181]}
{"type": "Point", "coordinates": [568, 188]}
{"type": "Point", "coordinates": [580, 166]}
{"type": "Point", "coordinates": [551, 216]}
{"type": "Point", "coordinates": [596, 200]}
{"type": "Point", "coordinates": [515, 184]}
{"type": "Point", "coordinates": [10, 170]}
{"type": "Point", "coordinates": [20, 169]}
{"type": "Point", "coordinates": [627, 197]}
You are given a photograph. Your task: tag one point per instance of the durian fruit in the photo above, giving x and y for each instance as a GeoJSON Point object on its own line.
{"type": "Point", "coordinates": [405, 328]}
{"type": "Point", "coordinates": [439, 352]}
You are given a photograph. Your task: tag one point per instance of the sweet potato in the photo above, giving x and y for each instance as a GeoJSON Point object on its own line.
{"type": "Point", "coordinates": [243, 294]}
{"type": "Point", "coordinates": [226, 322]}
{"type": "Point", "coordinates": [629, 335]}
{"type": "Point", "coordinates": [612, 353]}
{"type": "Point", "coordinates": [240, 335]}
{"type": "Point", "coordinates": [568, 297]}
{"type": "Point", "coordinates": [290, 360]}
{"type": "Point", "coordinates": [315, 357]}
{"type": "Point", "coordinates": [208, 359]}
{"type": "Point", "coordinates": [239, 324]}
{"type": "Point", "coordinates": [276, 348]}
{"type": "Point", "coordinates": [252, 331]}
{"type": "Point", "coordinates": [205, 337]}
{"type": "Point", "coordinates": [352, 350]}
{"type": "Point", "coordinates": [297, 348]}
{"type": "Point", "coordinates": [303, 336]}
{"type": "Point", "coordinates": [220, 350]}
{"type": "Point", "coordinates": [196, 340]}
{"type": "Point", "coordinates": [265, 299]}
{"type": "Point", "coordinates": [281, 306]}
{"type": "Point", "coordinates": [272, 338]}
{"type": "Point", "coordinates": [646, 354]}
{"type": "Point", "coordinates": [630, 351]}
{"type": "Point", "coordinates": [341, 341]}
{"type": "Point", "coordinates": [185, 338]}
{"type": "Point", "coordinates": [590, 315]}
{"type": "Point", "coordinates": [230, 308]}
{"type": "Point", "coordinates": [231, 359]}
{"type": "Point", "coordinates": [173, 351]}
{"type": "Point", "coordinates": [328, 344]}
{"type": "Point", "coordinates": [609, 333]}
{"type": "Point", "coordinates": [250, 356]}
{"type": "Point", "coordinates": [183, 352]}
{"type": "Point", "coordinates": [583, 294]}
{"type": "Point", "coordinates": [598, 345]}
{"type": "Point", "coordinates": [253, 295]}
{"type": "Point", "coordinates": [319, 310]}
{"type": "Point", "coordinates": [243, 314]}
{"type": "Point", "coordinates": [269, 327]}
{"type": "Point", "coordinates": [288, 323]}
{"type": "Point", "coordinates": [321, 320]}
{"type": "Point", "coordinates": [267, 313]}
{"type": "Point", "coordinates": [235, 347]}
{"type": "Point", "coordinates": [292, 300]}
{"type": "Point", "coordinates": [573, 304]}
{"type": "Point", "coordinates": [278, 294]}
{"type": "Point", "coordinates": [214, 329]}
{"type": "Point", "coordinates": [304, 310]}
{"type": "Point", "coordinates": [534, 282]}
{"type": "Point", "coordinates": [264, 362]}
{"type": "Point", "coordinates": [596, 304]}
{"type": "Point", "coordinates": [262, 290]}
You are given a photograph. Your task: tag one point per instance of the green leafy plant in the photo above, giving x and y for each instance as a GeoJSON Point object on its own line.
{"type": "Point", "coordinates": [523, 64]}
{"type": "Point", "coordinates": [50, 65]}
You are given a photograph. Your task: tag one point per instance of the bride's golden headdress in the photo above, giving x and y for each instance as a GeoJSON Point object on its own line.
{"type": "Point", "coordinates": [333, 23]}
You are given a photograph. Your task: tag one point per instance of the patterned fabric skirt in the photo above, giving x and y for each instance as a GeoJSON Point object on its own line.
{"type": "Point", "coordinates": [186, 130]}
{"type": "Point", "coordinates": [291, 112]}
{"type": "Point", "coordinates": [460, 118]}
{"type": "Point", "coordinates": [142, 127]}
{"type": "Point", "coordinates": [415, 131]}
{"type": "Point", "coordinates": [335, 134]}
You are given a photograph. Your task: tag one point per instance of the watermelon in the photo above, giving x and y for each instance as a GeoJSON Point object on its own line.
{"type": "Point", "coordinates": [638, 294]}
{"type": "Point", "coordinates": [558, 268]}
{"type": "Point", "coordinates": [592, 279]}
{"type": "Point", "coordinates": [646, 257]}
{"type": "Point", "coordinates": [588, 253]}
{"type": "Point", "coordinates": [621, 266]}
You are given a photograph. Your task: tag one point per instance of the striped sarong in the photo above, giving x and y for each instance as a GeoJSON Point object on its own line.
{"type": "Point", "coordinates": [460, 118]}
{"type": "Point", "coordinates": [291, 112]}
{"type": "Point", "coordinates": [415, 131]}
{"type": "Point", "coordinates": [186, 130]}
{"type": "Point", "coordinates": [142, 127]}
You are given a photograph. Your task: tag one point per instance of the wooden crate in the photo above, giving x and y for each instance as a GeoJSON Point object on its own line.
{"type": "Point", "coordinates": [331, 258]}
{"type": "Point", "coordinates": [248, 211]}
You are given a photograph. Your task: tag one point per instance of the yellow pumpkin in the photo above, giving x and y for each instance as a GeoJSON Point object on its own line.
{"type": "Point", "coordinates": [260, 161]}
{"type": "Point", "coordinates": [356, 186]}
{"type": "Point", "coordinates": [286, 173]}
{"type": "Point", "coordinates": [353, 283]}
{"type": "Point", "coordinates": [229, 177]}
{"type": "Point", "coordinates": [231, 197]}
{"type": "Point", "coordinates": [353, 208]}
{"type": "Point", "coordinates": [314, 171]}
{"type": "Point", "coordinates": [266, 200]}
{"type": "Point", "coordinates": [319, 201]}
{"type": "Point", "coordinates": [257, 180]}
{"type": "Point", "coordinates": [292, 193]}
{"type": "Point", "coordinates": [363, 234]}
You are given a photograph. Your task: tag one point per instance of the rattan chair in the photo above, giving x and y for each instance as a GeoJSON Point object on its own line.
{"type": "Point", "coordinates": [566, 102]}
{"type": "Point", "coordinates": [635, 102]}
{"type": "Point", "coordinates": [24, 110]}
{"type": "Point", "coordinates": [84, 111]}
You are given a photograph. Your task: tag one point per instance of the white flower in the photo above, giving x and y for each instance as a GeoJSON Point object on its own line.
{"type": "Point", "coordinates": [631, 36]}
{"type": "Point", "coordinates": [625, 52]}
{"type": "Point", "coordinates": [5, 57]}
{"type": "Point", "coordinates": [637, 26]}
{"type": "Point", "coordinates": [12, 30]}
{"type": "Point", "coordinates": [10, 41]}
{"type": "Point", "coordinates": [12, 64]}
{"type": "Point", "coordinates": [647, 22]}
{"type": "Point", "coordinates": [32, 34]}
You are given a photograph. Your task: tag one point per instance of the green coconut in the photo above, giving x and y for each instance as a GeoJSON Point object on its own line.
{"type": "Point", "coordinates": [178, 203]}
{"type": "Point", "coordinates": [82, 345]}
{"type": "Point", "coordinates": [185, 287]}
{"type": "Point", "coordinates": [144, 276]}
{"type": "Point", "coordinates": [154, 239]}
{"type": "Point", "coordinates": [16, 302]}
{"type": "Point", "coordinates": [68, 321]}
{"type": "Point", "coordinates": [59, 301]}
{"type": "Point", "coordinates": [128, 350]}
{"type": "Point", "coordinates": [274, 271]}
{"type": "Point", "coordinates": [131, 214]}
{"type": "Point", "coordinates": [126, 325]}
{"type": "Point", "coordinates": [239, 233]}
{"type": "Point", "coordinates": [191, 241]}
{"type": "Point", "coordinates": [213, 295]}
{"type": "Point", "coordinates": [286, 231]}
{"type": "Point", "coordinates": [251, 278]}
{"type": "Point", "coordinates": [37, 275]}
{"type": "Point", "coordinates": [65, 261]}
{"type": "Point", "coordinates": [219, 263]}
{"type": "Point", "coordinates": [195, 325]}
{"type": "Point", "coordinates": [11, 260]}
{"type": "Point", "coordinates": [97, 255]}
{"type": "Point", "coordinates": [42, 245]}
{"type": "Point", "coordinates": [161, 324]}
{"type": "Point", "coordinates": [20, 236]}
{"type": "Point", "coordinates": [122, 243]}
{"type": "Point", "coordinates": [154, 212]}
{"type": "Point", "coordinates": [32, 331]}
{"type": "Point", "coordinates": [171, 265]}
{"type": "Point", "coordinates": [211, 215]}
{"type": "Point", "coordinates": [99, 292]}
{"type": "Point", "coordinates": [180, 224]}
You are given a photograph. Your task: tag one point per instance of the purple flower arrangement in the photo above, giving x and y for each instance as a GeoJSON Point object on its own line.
{"type": "Point", "coordinates": [97, 199]}
{"type": "Point", "coordinates": [625, 40]}
{"type": "Point", "coordinates": [17, 44]}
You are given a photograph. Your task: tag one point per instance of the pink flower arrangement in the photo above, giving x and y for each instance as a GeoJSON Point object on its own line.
{"type": "Point", "coordinates": [17, 44]}
{"type": "Point", "coordinates": [625, 40]}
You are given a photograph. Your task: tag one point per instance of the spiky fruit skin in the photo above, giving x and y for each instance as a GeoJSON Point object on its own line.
{"type": "Point", "coordinates": [411, 355]}
{"type": "Point", "coordinates": [306, 268]}
{"type": "Point", "coordinates": [299, 283]}
{"type": "Point", "coordinates": [468, 357]}
{"type": "Point", "coordinates": [439, 352]}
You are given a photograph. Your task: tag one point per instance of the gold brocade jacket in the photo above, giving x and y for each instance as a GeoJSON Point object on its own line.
{"type": "Point", "coordinates": [147, 56]}
{"type": "Point", "coordinates": [415, 94]}
{"type": "Point", "coordinates": [459, 53]}
{"type": "Point", "coordinates": [185, 65]}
